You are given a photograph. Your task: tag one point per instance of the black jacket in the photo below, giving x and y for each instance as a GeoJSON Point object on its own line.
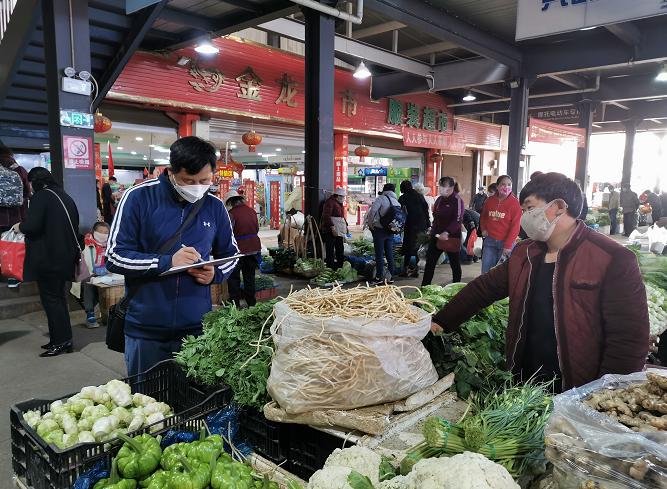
{"type": "Point", "coordinates": [51, 249]}
{"type": "Point", "coordinates": [416, 207]}
{"type": "Point", "coordinates": [478, 202]}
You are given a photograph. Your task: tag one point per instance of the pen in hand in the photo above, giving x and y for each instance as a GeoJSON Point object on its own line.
{"type": "Point", "coordinates": [199, 259]}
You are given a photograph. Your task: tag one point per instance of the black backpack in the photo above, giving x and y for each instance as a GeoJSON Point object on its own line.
{"type": "Point", "coordinates": [394, 219]}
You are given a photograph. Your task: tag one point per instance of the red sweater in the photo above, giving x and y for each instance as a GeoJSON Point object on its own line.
{"type": "Point", "coordinates": [501, 219]}
{"type": "Point", "coordinates": [448, 215]}
{"type": "Point", "coordinates": [246, 227]}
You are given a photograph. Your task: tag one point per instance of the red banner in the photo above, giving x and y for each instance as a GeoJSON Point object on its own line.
{"type": "Point", "coordinates": [550, 132]}
{"type": "Point", "coordinates": [431, 173]}
{"type": "Point", "coordinates": [274, 191]}
{"type": "Point", "coordinates": [98, 164]}
{"type": "Point", "coordinates": [249, 187]}
{"type": "Point", "coordinates": [226, 172]}
{"type": "Point", "coordinates": [341, 149]}
{"type": "Point", "coordinates": [225, 186]}
{"type": "Point", "coordinates": [419, 138]}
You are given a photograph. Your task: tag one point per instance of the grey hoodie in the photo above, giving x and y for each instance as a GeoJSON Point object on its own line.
{"type": "Point", "coordinates": [379, 208]}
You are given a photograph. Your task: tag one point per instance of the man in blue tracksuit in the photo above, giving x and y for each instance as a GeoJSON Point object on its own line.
{"type": "Point", "coordinates": [163, 310]}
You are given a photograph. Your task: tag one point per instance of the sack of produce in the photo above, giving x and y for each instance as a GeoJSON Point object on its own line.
{"type": "Point", "coordinates": [611, 433]}
{"type": "Point", "coordinates": [345, 349]}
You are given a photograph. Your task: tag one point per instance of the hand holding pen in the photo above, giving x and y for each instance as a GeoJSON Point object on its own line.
{"type": "Point", "coordinates": [187, 255]}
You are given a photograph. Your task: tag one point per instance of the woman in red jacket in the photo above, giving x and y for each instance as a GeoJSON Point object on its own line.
{"type": "Point", "coordinates": [500, 222]}
{"type": "Point", "coordinates": [246, 229]}
{"type": "Point", "coordinates": [447, 218]}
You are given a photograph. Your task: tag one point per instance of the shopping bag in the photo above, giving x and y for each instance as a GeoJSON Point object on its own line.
{"type": "Point", "coordinates": [471, 242]}
{"type": "Point", "coordinates": [12, 254]}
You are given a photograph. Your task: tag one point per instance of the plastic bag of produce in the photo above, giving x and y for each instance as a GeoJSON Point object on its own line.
{"type": "Point", "coordinates": [606, 433]}
{"type": "Point", "coordinates": [346, 362]}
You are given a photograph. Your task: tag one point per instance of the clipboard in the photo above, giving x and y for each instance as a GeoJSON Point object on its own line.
{"type": "Point", "coordinates": [217, 261]}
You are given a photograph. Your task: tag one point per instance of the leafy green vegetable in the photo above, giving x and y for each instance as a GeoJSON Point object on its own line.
{"type": "Point", "coordinates": [221, 353]}
{"type": "Point", "coordinates": [358, 481]}
{"type": "Point", "coordinates": [362, 247]}
{"type": "Point", "coordinates": [343, 275]}
{"type": "Point", "coordinates": [306, 266]}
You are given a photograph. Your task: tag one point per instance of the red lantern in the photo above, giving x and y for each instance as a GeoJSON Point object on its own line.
{"type": "Point", "coordinates": [362, 151]}
{"type": "Point", "coordinates": [436, 158]}
{"type": "Point", "coordinates": [252, 139]}
{"type": "Point", "coordinates": [102, 122]}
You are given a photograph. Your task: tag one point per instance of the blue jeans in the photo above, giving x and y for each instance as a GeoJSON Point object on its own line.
{"type": "Point", "coordinates": [141, 353]}
{"type": "Point", "coordinates": [492, 251]}
{"type": "Point", "coordinates": [383, 242]}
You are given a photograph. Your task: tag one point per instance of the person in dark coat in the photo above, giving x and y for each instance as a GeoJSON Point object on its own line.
{"type": "Point", "coordinates": [51, 253]}
{"type": "Point", "coordinates": [655, 203]}
{"type": "Point", "coordinates": [630, 204]}
{"type": "Point", "coordinates": [333, 242]}
{"type": "Point", "coordinates": [470, 223]}
{"type": "Point", "coordinates": [246, 229]}
{"type": "Point", "coordinates": [417, 222]}
{"type": "Point", "coordinates": [108, 202]}
{"type": "Point", "coordinates": [478, 200]}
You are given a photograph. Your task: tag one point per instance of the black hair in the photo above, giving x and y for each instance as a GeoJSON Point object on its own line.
{"type": "Point", "coordinates": [503, 177]}
{"type": "Point", "coordinates": [5, 152]}
{"type": "Point", "coordinates": [493, 188]}
{"type": "Point", "coordinates": [113, 179]}
{"type": "Point", "coordinates": [536, 174]}
{"type": "Point", "coordinates": [552, 186]}
{"type": "Point", "coordinates": [100, 224]}
{"type": "Point", "coordinates": [192, 154]}
{"type": "Point", "coordinates": [389, 187]}
{"type": "Point", "coordinates": [406, 186]}
{"type": "Point", "coordinates": [234, 201]}
{"type": "Point", "coordinates": [41, 178]}
{"type": "Point", "coordinates": [449, 182]}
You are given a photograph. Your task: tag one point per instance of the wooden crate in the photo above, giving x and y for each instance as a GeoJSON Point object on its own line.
{"type": "Point", "coordinates": [108, 296]}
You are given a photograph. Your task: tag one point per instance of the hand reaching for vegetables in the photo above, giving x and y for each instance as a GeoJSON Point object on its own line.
{"type": "Point", "coordinates": [436, 328]}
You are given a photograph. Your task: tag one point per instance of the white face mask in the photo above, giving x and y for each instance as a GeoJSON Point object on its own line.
{"type": "Point", "coordinates": [446, 191]}
{"type": "Point", "coordinates": [536, 224]}
{"type": "Point", "coordinates": [191, 193]}
{"type": "Point", "coordinates": [101, 238]}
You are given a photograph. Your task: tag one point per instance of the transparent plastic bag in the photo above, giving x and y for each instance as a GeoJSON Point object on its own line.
{"type": "Point", "coordinates": [339, 363]}
{"type": "Point", "coordinates": [591, 449]}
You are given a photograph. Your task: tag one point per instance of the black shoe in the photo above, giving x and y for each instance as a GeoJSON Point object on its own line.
{"type": "Point", "coordinates": [56, 350]}
{"type": "Point", "coordinates": [47, 346]}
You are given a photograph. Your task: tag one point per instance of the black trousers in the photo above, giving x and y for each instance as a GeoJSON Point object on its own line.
{"type": "Point", "coordinates": [334, 248]}
{"type": "Point", "coordinates": [432, 255]}
{"type": "Point", "coordinates": [410, 247]}
{"type": "Point", "coordinates": [53, 295]}
{"type": "Point", "coordinates": [247, 265]}
{"type": "Point", "coordinates": [629, 223]}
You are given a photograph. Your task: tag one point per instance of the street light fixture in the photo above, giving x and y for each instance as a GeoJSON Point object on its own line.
{"type": "Point", "coordinates": [469, 97]}
{"type": "Point", "coordinates": [662, 74]}
{"type": "Point", "coordinates": [206, 47]}
{"type": "Point", "coordinates": [362, 72]}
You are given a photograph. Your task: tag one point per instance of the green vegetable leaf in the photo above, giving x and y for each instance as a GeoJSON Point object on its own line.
{"type": "Point", "coordinates": [358, 481]}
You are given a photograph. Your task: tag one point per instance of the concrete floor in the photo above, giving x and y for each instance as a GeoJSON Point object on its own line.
{"type": "Point", "coordinates": [26, 376]}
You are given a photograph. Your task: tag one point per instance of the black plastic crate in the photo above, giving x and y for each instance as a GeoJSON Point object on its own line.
{"type": "Point", "coordinates": [43, 466]}
{"type": "Point", "coordinates": [307, 449]}
{"type": "Point", "coordinates": [266, 437]}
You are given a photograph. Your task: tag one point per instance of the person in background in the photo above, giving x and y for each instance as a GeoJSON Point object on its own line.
{"type": "Point", "coordinates": [470, 223]}
{"type": "Point", "coordinates": [655, 203]}
{"type": "Point", "coordinates": [383, 240]}
{"type": "Point", "coordinates": [614, 204]}
{"type": "Point", "coordinates": [430, 200]}
{"type": "Point", "coordinates": [108, 200]}
{"type": "Point", "coordinates": [246, 229]}
{"type": "Point", "coordinates": [164, 310]}
{"type": "Point", "coordinates": [11, 215]}
{"type": "Point", "coordinates": [447, 218]}
{"type": "Point", "coordinates": [417, 223]}
{"type": "Point", "coordinates": [500, 222]}
{"type": "Point", "coordinates": [577, 303]}
{"type": "Point", "coordinates": [478, 199]}
{"type": "Point", "coordinates": [51, 252]}
{"type": "Point", "coordinates": [630, 204]}
{"type": "Point", "coordinates": [98, 201]}
{"type": "Point", "coordinates": [491, 191]}
{"type": "Point", "coordinates": [94, 253]}
{"type": "Point", "coordinates": [333, 242]}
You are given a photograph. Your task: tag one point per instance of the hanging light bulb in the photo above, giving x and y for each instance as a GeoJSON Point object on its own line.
{"type": "Point", "coordinates": [469, 97]}
{"type": "Point", "coordinates": [662, 74]}
{"type": "Point", "coordinates": [362, 72]}
{"type": "Point", "coordinates": [205, 46]}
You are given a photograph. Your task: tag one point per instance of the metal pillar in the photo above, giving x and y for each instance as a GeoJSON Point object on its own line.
{"type": "Point", "coordinates": [630, 132]}
{"type": "Point", "coordinates": [67, 44]}
{"type": "Point", "coordinates": [586, 111]}
{"type": "Point", "coordinates": [518, 123]}
{"type": "Point", "coordinates": [319, 106]}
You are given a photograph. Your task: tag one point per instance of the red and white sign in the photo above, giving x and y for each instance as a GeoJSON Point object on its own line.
{"type": "Point", "coordinates": [550, 132]}
{"type": "Point", "coordinates": [249, 186]}
{"type": "Point", "coordinates": [77, 152]}
{"type": "Point", "coordinates": [225, 186]}
{"type": "Point", "coordinates": [419, 138]}
{"type": "Point", "coordinates": [98, 163]}
{"type": "Point", "coordinates": [226, 171]}
{"type": "Point", "coordinates": [431, 172]}
{"type": "Point", "coordinates": [274, 193]}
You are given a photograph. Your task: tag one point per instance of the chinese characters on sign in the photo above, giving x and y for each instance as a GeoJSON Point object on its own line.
{"type": "Point", "coordinates": [274, 195]}
{"type": "Point", "coordinates": [340, 173]}
{"type": "Point", "coordinates": [413, 116]}
{"type": "Point", "coordinates": [249, 84]}
{"type": "Point", "coordinates": [249, 191]}
{"type": "Point", "coordinates": [287, 91]}
{"type": "Point", "coordinates": [206, 79]}
{"type": "Point", "coordinates": [431, 119]}
{"type": "Point", "coordinates": [425, 139]}
{"type": "Point", "coordinates": [349, 103]}
{"type": "Point", "coordinates": [550, 132]}
{"type": "Point", "coordinates": [395, 112]}
{"type": "Point", "coordinates": [555, 114]}
{"type": "Point", "coordinates": [77, 152]}
{"type": "Point", "coordinates": [226, 172]}
{"type": "Point", "coordinates": [72, 118]}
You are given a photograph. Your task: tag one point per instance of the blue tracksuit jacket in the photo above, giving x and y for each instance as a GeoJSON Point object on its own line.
{"type": "Point", "coordinates": [148, 215]}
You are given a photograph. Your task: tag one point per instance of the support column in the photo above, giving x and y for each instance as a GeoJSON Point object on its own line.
{"type": "Point", "coordinates": [586, 110]}
{"type": "Point", "coordinates": [319, 106]}
{"type": "Point", "coordinates": [431, 172]}
{"type": "Point", "coordinates": [518, 123]}
{"type": "Point", "coordinates": [630, 132]}
{"type": "Point", "coordinates": [72, 150]}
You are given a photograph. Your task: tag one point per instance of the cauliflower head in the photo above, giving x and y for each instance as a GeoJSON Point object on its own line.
{"type": "Point", "coordinates": [361, 459]}
{"type": "Point", "coordinates": [398, 482]}
{"type": "Point", "coordinates": [331, 477]}
{"type": "Point", "coordinates": [463, 471]}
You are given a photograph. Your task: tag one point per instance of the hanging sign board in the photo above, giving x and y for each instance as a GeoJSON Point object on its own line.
{"type": "Point", "coordinates": [274, 194]}
{"type": "Point", "coordinates": [538, 18]}
{"type": "Point", "coordinates": [423, 139]}
{"type": "Point", "coordinates": [249, 191]}
{"type": "Point", "coordinates": [73, 118]}
{"type": "Point", "coordinates": [77, 152]}
{"type": "Point", "coordinates": [550, 132]}
{"type": "Point", "coordinates": [374, 172]}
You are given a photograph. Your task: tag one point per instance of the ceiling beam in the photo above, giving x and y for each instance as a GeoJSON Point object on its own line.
{"type": "Point", "coordinates": [358, 49]}
{"type": "Point", "coordinates": [437, 47]}
{"type": "Point", "coordinates": [571, 80]}
{"type": "Point", "coordinates": [377, 29]}
{"type": "Point", "coordinates": [187, 19]}
{"type": "Point", "coordinates": [497, 91]}
{"type": "Point", "coordinates": [449, 76]}
{"type": "Point", "coordinates": [437, 23]}
{"type": "Point", "coordinates": [640, 110]}
{"type": "Point", "coordinates": [626, 32]}
{"type": "Point", "coordinates": [243, 5]}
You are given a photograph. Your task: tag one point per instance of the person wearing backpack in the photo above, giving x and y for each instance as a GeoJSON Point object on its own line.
{"type": "Point", "coordinates": [447, 218]}
{"type": "Point", "coordinates": [14, 194]}
{"type": "Point", "coordinates": [385, 218]}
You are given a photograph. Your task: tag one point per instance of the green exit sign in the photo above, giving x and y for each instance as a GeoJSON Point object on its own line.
{"type": "Point", "coordinates": [72, 118]}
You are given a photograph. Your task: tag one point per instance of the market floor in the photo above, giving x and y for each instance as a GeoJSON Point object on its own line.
{"type": "Point", "coordinates": [25, 375]}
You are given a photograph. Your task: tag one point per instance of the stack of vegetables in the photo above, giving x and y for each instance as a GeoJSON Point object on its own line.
{"type": "Point", "coordinates": [196, 465]}
{"type": "Point", "coordinates": [654, 271]}
{"type": "Point", "coordinates": [97, 414]}
{"type": "Point", "coordinates": [263, 282]}
{"type": "Point", "coordinates": [343, 275]}
{"type": "Point", "coordinates": [476, 352]}
{"type": "Point", "coordinates": [308, 267]}
{"type": "Point", "coordinates": [234, 349]}
{"type": "Point", "coordinates": [362, 247]}
{"type": "Point", "coordinates": [506, 426]}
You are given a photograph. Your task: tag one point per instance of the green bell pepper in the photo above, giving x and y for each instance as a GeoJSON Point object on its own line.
{"type": "Point", "coordinates": [205, 449]}
{"type": "Point", "coordinates": [139, 456]}
{"type": "Point", "coordinates": [229, 473]}
{"type": "Point", "coordinates": [190, 474]}
{"type": "Point", "coordinates": [115, 482]}
{"type": "Point", "coordinates": [158, 480]}
{"type": "Point", "coordinates": [171, 457]}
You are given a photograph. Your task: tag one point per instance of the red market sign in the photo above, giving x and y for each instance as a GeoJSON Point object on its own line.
{"type": "Point", "coordinates": [274, 194]}
{"type": "Point", "coordinates": [418, 138]}
{"type": "Point", "coordinates": [249, 192]}
{"type": "Point", "coordinates": [550, 132]}
{"type": "Point", "coordinates": [226, 172]}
